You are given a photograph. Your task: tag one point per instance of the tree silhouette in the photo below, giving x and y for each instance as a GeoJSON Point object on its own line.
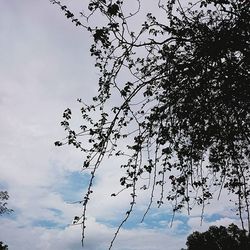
{"type": "Point", "coordinates": [3, 209]}
{"type": "Point", "coordinates": [219, 238]}
{"type": "Point", "coordinates": [3, 204]}
{"type": "Point", "coordinates": [179, 94]}
{"type": "Point", "coordinates": [2, 246]}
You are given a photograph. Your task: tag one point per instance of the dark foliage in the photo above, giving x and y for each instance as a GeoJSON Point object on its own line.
{"type": "Point", "coordinates": [181, 89]}
{"type": "Point", "coordinates": [3, 202]}
{"type": "Point", "coordinates": [3, 246]}
{"type": "Point", "coordinates": [219, 238]}
{"type": "Point", "coordinates": [3, 209]}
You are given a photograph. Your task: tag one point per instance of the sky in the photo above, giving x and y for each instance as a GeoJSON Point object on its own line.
{"type": "Point", "coordinates": [45, 65]}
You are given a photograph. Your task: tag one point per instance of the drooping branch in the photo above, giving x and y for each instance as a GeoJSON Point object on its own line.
{"type": "Point", "coordinates": [181, 102]}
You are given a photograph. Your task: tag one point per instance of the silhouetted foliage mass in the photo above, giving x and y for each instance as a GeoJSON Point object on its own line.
{"type": "Point", "coordinates": [3, 246]}
{"type": "Point", "coordinates": [174, 87]}
{"type": "Point", "coordinates": [3, 202]}
{"type": "Point", "coordinates": [219, 238]}
{"type": "Point", "coordinates": [3, 209]}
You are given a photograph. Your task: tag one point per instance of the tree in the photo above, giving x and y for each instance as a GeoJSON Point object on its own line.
{"type": "Point", "coordinates": [3, 209]}
{"type": "Point", "coordinates": [219, 238]}
{"type": "Point", "coordinates": [2, 246]}
{"type": "Point", "coordinates": [3, 198]}
{"type": "Point", "coordinates": [181, 90]}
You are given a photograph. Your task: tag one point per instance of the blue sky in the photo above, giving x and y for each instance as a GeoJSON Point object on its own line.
{"type": "Point", "coordinates": [45, 66]}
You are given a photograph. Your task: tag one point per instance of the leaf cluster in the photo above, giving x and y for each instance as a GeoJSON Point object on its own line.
{"type": "Point", "coordinates": [230, 238]}
{"type": "Point", "coordinates": [3, 203]}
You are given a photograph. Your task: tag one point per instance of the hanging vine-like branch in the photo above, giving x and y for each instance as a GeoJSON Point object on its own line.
{"type": "Point", "coordinates": [183, 88]}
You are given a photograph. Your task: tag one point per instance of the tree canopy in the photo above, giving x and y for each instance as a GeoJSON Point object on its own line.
{"type": "Point", "coordinates": [219, 238]}
{"type": "Point", "coordinates": [174, 87]}
{"type": "Point", "coordinates": [3, 246]}
{"type": "Point", "coordinates": [3, 209]}
{"type": "Point", "coordinates": [3, 202]}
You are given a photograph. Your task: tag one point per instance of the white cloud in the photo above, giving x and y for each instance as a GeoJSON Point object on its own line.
{"type": "Point", "coordinates": [98, 238]}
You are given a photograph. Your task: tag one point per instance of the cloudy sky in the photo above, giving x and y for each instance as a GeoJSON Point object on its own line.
{"type": "Point", "coordinates": [44, 67]}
